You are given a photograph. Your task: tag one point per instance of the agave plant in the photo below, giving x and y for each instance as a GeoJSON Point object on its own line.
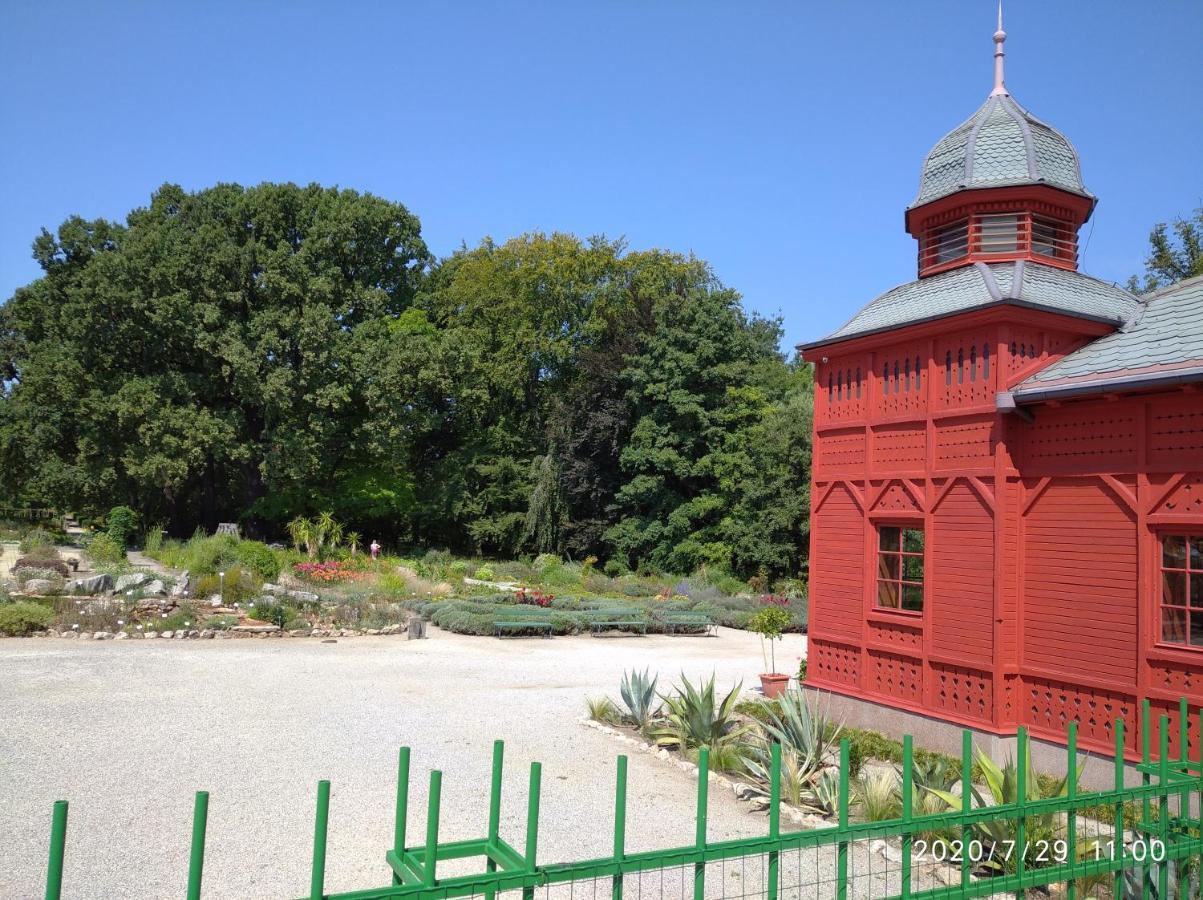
{"type": "Point", "coordinates": [695, 720]}
{"type": "Point", "coordinates": [930, 777]}
{"type": "Point", "coordinates": [1182, 880]}
{"type": "Point", "coordinates": [794, 724]}
{"type": "Point", "coordinates": [638, 693]}
{"type": "Point", "coordinates": [1003, 786]}
{"type": "Point", "coordinates": [825, 794]}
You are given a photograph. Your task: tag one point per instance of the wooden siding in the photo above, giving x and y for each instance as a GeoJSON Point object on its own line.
{"type": "Point", "coordinates": [1079, 583]}
{"type": "Point", "coordinates": [1042, 576]}
{"type": "Point", "coordinates": [961, 583]}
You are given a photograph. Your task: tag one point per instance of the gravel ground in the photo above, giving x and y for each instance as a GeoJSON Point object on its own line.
{"type": "Point", "coordinates": [127, 731]}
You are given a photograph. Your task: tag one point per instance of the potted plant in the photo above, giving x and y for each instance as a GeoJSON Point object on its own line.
{"type": "Point", "coordinates": [770, 623]}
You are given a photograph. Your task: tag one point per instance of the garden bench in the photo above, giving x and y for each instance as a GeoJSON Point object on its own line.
{"type": "Point", "coordinates": [514, 621]}
{"type": "Point", "coordinates": [689, 620]}
{"type": "Point", "coordinates": [620, 617]}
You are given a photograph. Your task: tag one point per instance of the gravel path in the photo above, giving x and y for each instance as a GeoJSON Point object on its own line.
{"type": "Point", "coordinates": [127, 731]}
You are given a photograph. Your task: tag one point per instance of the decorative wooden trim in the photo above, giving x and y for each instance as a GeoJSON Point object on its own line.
{"type": "Point", "coordinates": [1032, 496]}
{"type": "Point", "coordinates": [1121, 490]}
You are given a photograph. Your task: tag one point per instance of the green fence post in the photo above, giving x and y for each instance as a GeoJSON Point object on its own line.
{"type": "Point", "coordinates": [1117, 836]}
{"type": "Point", "coordinates": [1163, 798]}
{"type": "Point", "coordinates": [908, 795]}
{"type": "Point", "coordinates": [532, 824]}
{"type": "Point", "coordinates": [433, 801]}
{"type": "Point", "coordinates": [1146, 806]}
{"type": "Point", "coordinates": [317, 878]}
{"type": "Point", "coordinates": [494, 832]}
{"type": "Point", "coordinates": [774, 819]}
{"type": "Point", "coordinates": [699, 868]}
{"type": "Point", "coordinates": [1021, 797]}
{"type": "Point", "coordinates": [402, 806]}
{"type": "Point", "coordinates": [196, 861]}
{"type": "Point", "coordinates": [1071, 822]}
{"type": "Point", "coordinates": [1184, 762]}
{"type": "Point", "coordinates": [620, 826]}
{"type": "Point", "coordinates": [966, 803]}
{"type": "Point", "coordinates": [58, 846]}
{"type": "Point", "coordinates": [841, 862]}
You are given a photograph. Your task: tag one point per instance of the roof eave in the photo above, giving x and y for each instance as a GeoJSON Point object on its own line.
{"type": "Point", "coordinates": [1108, 385]}
{"type": "Point", "coordinates": [993, 304]}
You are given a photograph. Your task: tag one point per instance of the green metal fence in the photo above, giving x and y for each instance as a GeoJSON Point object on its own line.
{"type": "Point", "coordinates": [1141, 841]}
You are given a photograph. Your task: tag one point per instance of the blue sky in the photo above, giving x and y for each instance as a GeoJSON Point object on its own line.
{"type": "Point", "coordinates": [779, 141]}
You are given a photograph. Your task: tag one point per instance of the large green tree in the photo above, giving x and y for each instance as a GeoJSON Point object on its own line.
{"type": "Point", "coordinates": [201, 361]}
{"type": "Point", "coordinates": [257, 353]}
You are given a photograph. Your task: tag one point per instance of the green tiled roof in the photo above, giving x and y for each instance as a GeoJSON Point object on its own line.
{"type": "Point", "coordinates": [1162, 340]}
{"type": "Point", "coordinates": [1022, 283]}
{"type": "Point", "coordinates": [1001, 144]}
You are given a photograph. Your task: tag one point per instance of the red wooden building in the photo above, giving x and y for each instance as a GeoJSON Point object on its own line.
{"type": "Point", "coordinates": [1007, 505]}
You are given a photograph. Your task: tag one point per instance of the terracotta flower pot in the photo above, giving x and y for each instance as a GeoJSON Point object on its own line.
{"type": "Point", "coordinates": [773, 684]}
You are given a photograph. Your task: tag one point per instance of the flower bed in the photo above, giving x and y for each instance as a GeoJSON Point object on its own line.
{"type": "Point", "coordinates": [328, 572]}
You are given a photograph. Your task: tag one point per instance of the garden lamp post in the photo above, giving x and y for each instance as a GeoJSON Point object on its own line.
{"type": "Point", "coordinates": [221, 581]}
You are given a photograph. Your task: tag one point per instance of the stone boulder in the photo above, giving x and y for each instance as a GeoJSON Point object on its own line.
{"type": "Point", "coordinates": [131, 582]}
{"type": "Point", "coordinates": [90, 587]}
{"type": "Point", "coordinates": [182, 585]}
{"type": "Point", "coordinates": [39, 586]}
{"type": "Point", "coordinates": [155, 587]}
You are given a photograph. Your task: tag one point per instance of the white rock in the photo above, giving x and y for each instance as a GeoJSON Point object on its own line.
{"type": "Point", "coordinates": [167, 634]}
{"type": "Point", "coordinates": [131, 581]}
{"type": "Point", "coordinates": [150, 634]}
{"type": "Point", "coordinates": [121, 636]}
{"type": "Point", "coordinates": [102, 636]}
{"type": "Point", "coordinates": [39, 586]}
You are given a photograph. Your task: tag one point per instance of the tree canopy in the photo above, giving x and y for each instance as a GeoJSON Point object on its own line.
{"type": "Point", "coordinates": [254, 354]}
{"type": "Point", "coordinates": [1172, 258]}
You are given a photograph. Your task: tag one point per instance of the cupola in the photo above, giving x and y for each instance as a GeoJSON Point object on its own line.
{"type": "Point", "coordinates": [1000, 186]}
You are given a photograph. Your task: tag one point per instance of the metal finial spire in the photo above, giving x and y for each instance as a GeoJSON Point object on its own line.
{"type": "Point", "coordinates": [999, 37]}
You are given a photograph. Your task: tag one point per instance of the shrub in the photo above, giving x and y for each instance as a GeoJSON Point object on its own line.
{"type": "Point", "coordinates": [614, 568]}
{"type": "Point", "coordinates": [23, 618]}
{"type": "Point", "coordinates": [259, 558]}
{"type": "Point", "coordinates": [602, 709]}
{"type": "Point", "coordinates": [29, 573]}
{"type": "Point", "coordinates": [104, 548]}
{"type": "Point", "coordinates": [238, 586]}
{"type": "Point", "coordinates": [152, 541]}
{"type": "Point", "coordinates": [184, 617]}
{"type": "Point", "coordinates": [545, 562]}
{"type": "Point", "coordinates": [221, 623]}
{"type": "Point", "coordinates": [484, 573]}
{"type": "Point", "coordinates": [275, 613]}
{"type": "Point", "coordinates": [459, 568]}
{"type": "Point", "coordinates": [122, 523]}
{"type": "Point", "coordinates": [38, 543]}
{"type": "Point", "coordinates": [879, 795]}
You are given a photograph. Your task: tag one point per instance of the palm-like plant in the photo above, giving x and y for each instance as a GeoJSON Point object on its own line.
{"type": "Point", "coordinates": [695, 720]}
{"type": "Point", "coordinates": [809, 732]}
{"type": "Point", "coordinates": [301, 532]}
{"type": "Point", "coordinates": [353, 540]}
{"type": "Point", "coordinates": [1003, 786]}
{"type": "Point", "coordinates": [638, 693]}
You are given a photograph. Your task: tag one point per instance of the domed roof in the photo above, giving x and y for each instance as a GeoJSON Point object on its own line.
{"type": "Point", "coordinates": [999, 145]}
{"type": "Point", "coordinates": [1014, 283]}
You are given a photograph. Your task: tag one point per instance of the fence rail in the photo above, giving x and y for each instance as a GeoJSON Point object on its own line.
{"type": "Point", "coordinates": [1141, 841]}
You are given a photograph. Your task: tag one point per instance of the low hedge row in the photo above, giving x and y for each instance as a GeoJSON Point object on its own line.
{"type": "Point", "coordinates": [568, 615]}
